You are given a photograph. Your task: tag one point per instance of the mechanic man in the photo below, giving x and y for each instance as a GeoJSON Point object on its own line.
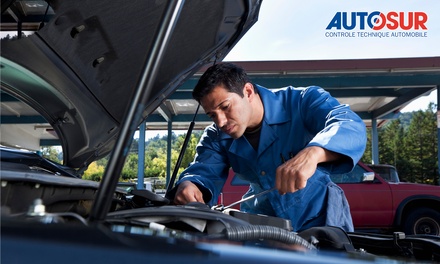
{"type": "Point", "coordinates": [290, 138]}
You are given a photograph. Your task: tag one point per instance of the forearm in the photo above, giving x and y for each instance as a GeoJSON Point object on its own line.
{"type": "Point", "coordinates": [322, 155]}
{"type": "Point", "coordinates": [294, 173]}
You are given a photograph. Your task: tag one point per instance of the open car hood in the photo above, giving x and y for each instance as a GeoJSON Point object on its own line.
{"type": "Point", "coordinates": [82, 69]}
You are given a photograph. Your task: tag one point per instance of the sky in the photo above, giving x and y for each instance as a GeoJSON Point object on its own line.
{"type": "Point", "coordinates": [296, 30]}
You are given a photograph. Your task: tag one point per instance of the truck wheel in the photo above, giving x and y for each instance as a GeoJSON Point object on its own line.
{"type": "Point", "coordinates": [423, 221]}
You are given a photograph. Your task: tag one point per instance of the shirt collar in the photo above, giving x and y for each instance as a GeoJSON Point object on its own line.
{"type": "Point", "coordinates": [275, 113]}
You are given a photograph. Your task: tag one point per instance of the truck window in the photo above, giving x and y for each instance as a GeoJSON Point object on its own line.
{"type": "Point", "coordinates": [388, 173]}
{"type": "Point", "coordinates": [354, 176]}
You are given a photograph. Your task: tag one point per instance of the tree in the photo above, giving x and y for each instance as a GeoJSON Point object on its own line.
{"type": "Point", "coordinates": [366, 158]}
{"type": "Point", "coordinates": [14, 37]}
{"type": "Point", "coordinates": [155, 157]}
{"type": "Point", "coordinates": [156, 154]}
{"type": "Point", "coordinates": [391, 146]}
{"type": "Point", "coordinates": [130, 169]}
{"type": "Point", "coordinates": [410, 144]}
{"type": "Point", "coordinates": [94, 172]}
{"type": "Point", "coordinates": [51, 153]}
{"type": "Point", "coordinates": [421, 146]}
{"type": "Point", "coordinates": [190, 150]}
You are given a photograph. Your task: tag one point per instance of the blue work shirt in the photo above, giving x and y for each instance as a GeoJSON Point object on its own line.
{"type": "Point", "coordinates": [294, 118]}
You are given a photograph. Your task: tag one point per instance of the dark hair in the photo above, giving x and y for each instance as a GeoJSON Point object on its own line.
{"type": "Point", "coordinates": [230, 76]}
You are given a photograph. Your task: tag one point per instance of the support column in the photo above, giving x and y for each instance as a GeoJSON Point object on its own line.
{"type": "Point", "coordinates": [374, 142]}
{"type": "Point", "coordinates": [170, 131]}
{"type": "Point", "coordinates": [19, 29]}
{"type": "Point", "coordinates": [438, 135]}
{"type": "Point", "coordinates": [141, 157]}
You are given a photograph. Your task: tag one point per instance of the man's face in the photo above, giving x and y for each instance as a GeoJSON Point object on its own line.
{"type": "Point", "coordinates": [229, 111]}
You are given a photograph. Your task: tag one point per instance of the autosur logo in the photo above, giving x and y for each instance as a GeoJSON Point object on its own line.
{"type": "Point", "coordinates": [378, 24]}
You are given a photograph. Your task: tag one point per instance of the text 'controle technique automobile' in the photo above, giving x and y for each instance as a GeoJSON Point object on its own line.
{"type": "Point", "coordinates": [95, 71]}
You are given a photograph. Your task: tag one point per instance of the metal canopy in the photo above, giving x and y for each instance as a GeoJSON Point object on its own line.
{"type": "Point", "coordinates": [374, 88]}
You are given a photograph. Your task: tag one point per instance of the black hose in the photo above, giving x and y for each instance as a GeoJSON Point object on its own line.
{"type": "Point", "coordinates": [240, 233]}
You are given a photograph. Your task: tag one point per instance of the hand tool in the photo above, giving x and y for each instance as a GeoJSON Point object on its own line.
{"type": "Point", "coordinates": [249, 198]}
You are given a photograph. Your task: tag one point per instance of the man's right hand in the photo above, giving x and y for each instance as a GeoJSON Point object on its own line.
{"type": "Point", "coordinates": [188, 192]}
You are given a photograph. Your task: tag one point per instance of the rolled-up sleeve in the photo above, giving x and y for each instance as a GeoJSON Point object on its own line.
{"type": "Point", "coordinates": [210, 167]}
{"type": "Point", "coordinates": [336, 126]}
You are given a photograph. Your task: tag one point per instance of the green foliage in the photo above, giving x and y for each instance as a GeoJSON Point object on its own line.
{"type": "Point", "coordinates": [155, 158]}
{"type": "Point", "coordinates": [421, 146]}
{"type": "Point", "coordinates": [156, 154]}
{"type": "Point", "coordinates": [410, 144]}
{"type": "Point", "coordinates": [129, 171]}
{"type": "Point", "coordinates": [51, 153]}
{"type": "Point", "coordinates": [190, 150]}
{"type": "Point", "coordinates": [94, 172]}
{"type": "Point", "coordinates": [94, 177]}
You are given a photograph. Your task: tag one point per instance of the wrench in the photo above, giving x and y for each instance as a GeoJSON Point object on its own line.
{"type": "Point", "coordinates": [249, 198]}
{"type": "Point", "coordinates": [254, 195]}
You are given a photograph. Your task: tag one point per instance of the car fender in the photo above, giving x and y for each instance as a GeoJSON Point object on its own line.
{"type": "Point", "coordinates": [414, 201]}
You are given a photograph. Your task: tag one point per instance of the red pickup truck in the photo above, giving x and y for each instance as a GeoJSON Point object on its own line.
{"type": "Point", "coordinates": [377, 203]}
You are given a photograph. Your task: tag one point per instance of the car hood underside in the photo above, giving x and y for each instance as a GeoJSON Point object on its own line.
{"type": "Point", "coordinates": [81, 70]}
